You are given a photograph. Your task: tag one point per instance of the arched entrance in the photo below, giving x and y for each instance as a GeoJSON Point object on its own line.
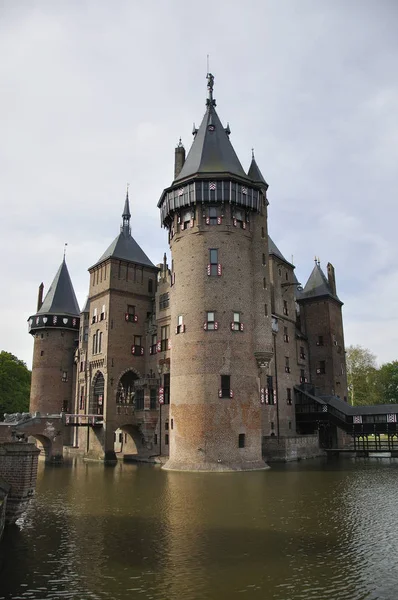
{"type": "Point", "coordinates": [128, 441]}
{"type": "Point", "coordinates": [44, 444]}
{"type": "Point", "coordinates": [97, 396]}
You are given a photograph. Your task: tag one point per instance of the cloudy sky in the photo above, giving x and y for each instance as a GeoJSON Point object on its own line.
{"type": "Point", "coordinates": [95, 94]}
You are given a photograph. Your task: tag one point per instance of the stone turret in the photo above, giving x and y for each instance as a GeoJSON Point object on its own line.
{"type": "Point", "coordinates": [55, 328]}
{"type": "Point", "coordinates": [216, 217]}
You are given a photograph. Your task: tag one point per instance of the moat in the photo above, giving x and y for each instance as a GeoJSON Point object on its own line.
{"type": "Point", "coordinates": [311, 530]}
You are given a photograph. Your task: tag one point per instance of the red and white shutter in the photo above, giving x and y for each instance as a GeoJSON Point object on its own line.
{"type": "Point", "coordinates": [219, 269]}
{"type": "Point", "coordinates": [262, 396]}
{"type": "Point", "coordinates": [215, 325]}
{"type": "Point", "coordinates": [220, 393]}
{"type": "Point", "coordinates": [241, 326]}
{"type": "Point", "coordinates": [208, 269]}
{"type": "Point", "coordinates": [207, 220]}
{"type": "Point", "coordinates": [219, 220]}
{"type": "Point", "coordinates": [161, 395]}
{"type": "Point", "coordinates": [169, 345]}
{"type": "Point", "coordinates": [231, 394]}
{"type": "Point", "coordinates": [266, 396]}
{"type": "Point", "coordinates": [234, 221]}
{"type": "Point", "coordinates": [205, 326]}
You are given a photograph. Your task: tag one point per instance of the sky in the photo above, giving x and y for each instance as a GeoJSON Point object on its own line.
{"type": "Point", "coordinates": [96, 94]}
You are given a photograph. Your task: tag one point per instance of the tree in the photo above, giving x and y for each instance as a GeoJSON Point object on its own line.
{"type": "Point", "coordinates": [362, 376]}
{"type": "Point", "coordinates": [387, 377]}
{"type": "Point", "coordinates": [14, 384]}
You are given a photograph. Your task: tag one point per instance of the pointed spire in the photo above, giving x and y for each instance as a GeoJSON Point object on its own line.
{"type": "Point", "coordinates": [254, 172]}
{"type": "Point", "coordinates": [211, 151]}
{"type": "Point", "coordinates": [126, 215]}
{"type": "Point", "coordinates": [60, 298]}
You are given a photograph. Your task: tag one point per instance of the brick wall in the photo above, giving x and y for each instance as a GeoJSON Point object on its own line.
{"type": "Point", "coordinates": [18, 467]}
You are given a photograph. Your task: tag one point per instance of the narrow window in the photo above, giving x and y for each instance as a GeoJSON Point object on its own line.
{"type": "Point", "coordinates": [302, 353]}
{"type": "Point", "coordinates": [320, 340]}
{"type": "Point", "coordinates": [213, 262]}
{"type": "Point", "coordinates": [285, 309]}
{"type": "Point", "coordinates": [266, 310]}
{"type": "Point", "coordinates": [166, 426]}
{"type": "Point", "coordinates": [102, 315]}
{"type": "Point", "coordinates": [236, 322]}
{"type": "Point", "coordinates": [285, 335]}
{"type": "Point", "coordinates": [287, 276]}
{"type": "Point", "coordinates": [262, 232]}
{"type": "Point", "coordinates": [287, 364]}
{"type": "Point", "coordinates": [155, 439]}
{"type": "Point", "coordinates": [94, 318]}
{"type": "Point", "coordinates": [164, 301]}
{"type": "Point", "coordinates": [81, 399]}
{"type": "Point", "coordinates": [130, 309]}
{"type": "Point", "coordinates": [41, 352]}
{"type": "Point", "coordinates": [264, 261]}
{"type": "Point", "coordinates": [150, 286]}
{"type": "Point", "coordinates": [264, 283]}
{"type": "Point", "coordinates": [270, 389]}
{"type": "Point", "coordinates": [321, 370]}
{"type": "Point", "coordinates": [94, 343]}
{"type": "Point", "coordinates": [280, 272]}
{"type": "Point", "coordinates": [138, 342]}
{"type": "Point", "coordinates": [289, 395]}
{"type": "Point", "coordinates": [210, 321]}
{"type": "Point", "coordinates": [166, 388]}
{"type": "Point", "coordinates": [303, 378]}
{"type": "Point", "coordinates": [241, 440]}
{"type": "Point", "coordinates": [225, 386]}
{"type": "Point", "coordinates": [99, 342]}
{"type": "Point", "coordinates": [290, 424]}
{"type": "Point", "coordinates": [212, 215]}
{"type": "Point", "coordinates": [153, 343]}
{"type": "Point", "coordinates": [166, 439]}
{"type": "Point", "coordinates": [172, 423]}
{"type": "Point", "coordinates": [272, 425]}
{"type": "Point", "coordinates": [186, 219]}
{"type": "Point", "coordinates": [164, 338]}
{"type": "Point", "coordinates": [152, 399]}
{"type": "Point", "coordinates": [86, 333]}
{"type": "Point", "coordinates": [180, 324]}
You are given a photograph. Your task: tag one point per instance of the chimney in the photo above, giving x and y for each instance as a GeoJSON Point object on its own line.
{"type": "Point", "coordinates": [331, 278]}
{"type": "Point", "coordinates": [179, 159]}
{"type": "Point", "coordinates": [40, 297]}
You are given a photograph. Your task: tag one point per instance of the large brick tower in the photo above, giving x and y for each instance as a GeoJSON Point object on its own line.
{"type": "Point", "coordinates": [221, 339]}
{"type": "Point", "coordinates": [55, 327]}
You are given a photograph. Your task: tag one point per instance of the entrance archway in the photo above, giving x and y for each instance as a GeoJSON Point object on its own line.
{"type": "Point", "coordinates": [128, 441]}
{"type": "Point", "coordinates": [44, 444]}
{"type": "Point", "coordinates": [97, 396]}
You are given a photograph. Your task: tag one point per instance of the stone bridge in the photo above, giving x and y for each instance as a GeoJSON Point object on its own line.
{"type": "Point", "coordinates": [49, 430]}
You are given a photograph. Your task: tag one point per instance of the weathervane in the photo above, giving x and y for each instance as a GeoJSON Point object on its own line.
{"type": "Point", "coordinates": [65, 245]}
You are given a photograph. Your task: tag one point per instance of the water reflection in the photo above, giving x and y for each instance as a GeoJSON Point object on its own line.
{"type": "Point", "coordinates": [303, 531]}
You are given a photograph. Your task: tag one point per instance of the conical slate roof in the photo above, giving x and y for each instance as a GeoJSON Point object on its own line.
{"type": "Point", "coordinates": [255, 174]}
{"type": "Point", "coordinates": [125, 247]}
{"type": "Point", "coordinates": [86, 308]}
{"type": "Point", "coordinates": [60, 298]}
{"type": "Point", "coordinates": [273, 249]}
{"type": "Point", "coordinates": [317, 285]}
{"type": "Point", "coordinates": [211, 151]}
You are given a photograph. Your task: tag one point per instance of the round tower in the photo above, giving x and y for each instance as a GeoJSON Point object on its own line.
{"type": "Point", "coordinates": [221, 336]}
{"type": "Point", "coordinates": [55, 328]}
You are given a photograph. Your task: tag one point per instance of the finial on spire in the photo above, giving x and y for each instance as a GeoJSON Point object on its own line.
{"type": "Point", "coordinates": [65, 245]}
{"type": "Point", "coordinates": [253, 153]}
{"type": "Point", "coordinates": [210, 86]}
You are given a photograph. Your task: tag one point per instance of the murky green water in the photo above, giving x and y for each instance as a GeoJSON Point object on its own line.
{"type": "Point", "coordinates": [312, 530]}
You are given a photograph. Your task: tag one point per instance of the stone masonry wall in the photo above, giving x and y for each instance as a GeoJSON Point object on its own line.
{"type": "Point", "coordinates": [286, 449]}
{"type": "Point", "coordinates": [18, 467]}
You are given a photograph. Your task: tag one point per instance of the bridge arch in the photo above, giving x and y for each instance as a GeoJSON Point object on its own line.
{"type": "Point", "coordinates": [129, 441]}
{"type": "Point", "coordinates": [45, 445]}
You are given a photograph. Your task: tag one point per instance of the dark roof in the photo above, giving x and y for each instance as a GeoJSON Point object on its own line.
{"type": "Point", "coordinates": [273, 249]}
{"type": "Point", "coordinates": [375, 409]}
{"type": "Point", "coordinates": [211, 151]}
{"type": "Point", "coordinates": [317, 285]}
{"type": "Point", "coordinates": [255, 174]}
{"type": "Point", "coordinates": [60, 298]}
{"type": "Point", "coordinates": [86, 308]}
{"type": "Point", "coordinates": [125, 247]}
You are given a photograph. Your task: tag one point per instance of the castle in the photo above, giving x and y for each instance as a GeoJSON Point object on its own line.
{"type": "Point", "coordinates": [198, 361]}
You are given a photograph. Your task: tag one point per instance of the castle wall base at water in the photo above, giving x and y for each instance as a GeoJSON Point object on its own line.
{"type": "Point", "coordinates": [18, 468]}
{"type": "Point", "coordinates": [286, 449]}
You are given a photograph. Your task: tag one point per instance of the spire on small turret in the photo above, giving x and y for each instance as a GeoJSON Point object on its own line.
{"type": "Point", "coordinates": [254, 172]}
{"type": "Point", "coordinates": [126, 215]}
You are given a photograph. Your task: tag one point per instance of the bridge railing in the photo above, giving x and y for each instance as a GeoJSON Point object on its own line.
{"type": "Point", "coordinates": [76, 420]}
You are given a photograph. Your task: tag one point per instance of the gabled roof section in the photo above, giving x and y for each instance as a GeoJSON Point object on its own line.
{"type": "Point", "coordinates": [125, 247]}
{"type": "Point", "coordinates": [86, 308]}
{"type": "Point", "coordinates": [317, 285]}
{"type": "Point", "coordinates": [211, 151]}
{"type": "Point", "coordinates": [273, 249]}
{"type": "Point", "coordinates": [60, 298]}
{"type": "Point", "coordinates": [255, 174]}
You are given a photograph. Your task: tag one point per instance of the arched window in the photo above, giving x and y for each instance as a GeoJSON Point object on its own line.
{"type": "Point", "coordinates": [97, 396]}
{"type": "Point", "coordinates": [125, 390]}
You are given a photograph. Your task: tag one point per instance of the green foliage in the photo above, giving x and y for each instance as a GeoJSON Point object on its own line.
{"type": "Point", "coordinates": [14, 384]}
{"type": "Point", "coordinates": [366, 383]}
{"type": "Point", "coordinates": [387, 377]}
